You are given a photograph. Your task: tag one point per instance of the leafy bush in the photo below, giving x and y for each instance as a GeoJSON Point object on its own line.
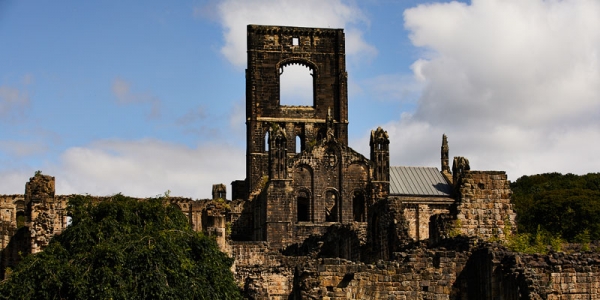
{"type": "Point", "coordinates": [539, 242]}
{"type": "Point", "coordinates": [124, 249]}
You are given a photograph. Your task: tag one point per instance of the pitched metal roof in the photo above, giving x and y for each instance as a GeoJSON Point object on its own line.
{"type": "Point", "coordinates": [418, 181]}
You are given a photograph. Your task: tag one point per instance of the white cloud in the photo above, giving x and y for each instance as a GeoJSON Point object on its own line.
{"type": "Point", "coordinates": [145, 168]}
{"type": "Point", "coordinates": [514, 84]}
{"type": "Point", "coordinates": [14, 179]}
{"type": "Point", "coordinates": [235, 15]}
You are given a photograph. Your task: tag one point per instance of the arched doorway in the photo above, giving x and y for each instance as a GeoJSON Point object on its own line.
{"type": "Point", "coordinates": [359, 208]}
{"type": "Point", "coordinates": [303, 207]}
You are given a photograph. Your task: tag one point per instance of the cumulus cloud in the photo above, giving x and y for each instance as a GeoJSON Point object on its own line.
{"type": "Point", "coordinates": [235, 15]}
{"type": "Point", "coordinates": [14, 179]}
{"type": "Point", "coordinates": [12, 101]}
{"type": "Point", "coordinates": [122, 91]}
{"type": "Point", "coordinates": [513, 83]}
{"type": "Point", "coordinates": [145, 168]}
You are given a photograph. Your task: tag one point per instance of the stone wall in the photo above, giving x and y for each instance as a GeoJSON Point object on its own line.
{"type": "Point", "coordinates": [387, 229]}
{"type": "Point", "coordinates": [12, 216]}
{"type": "Point", "coordinates": [417, 274]}
{"type": "Point", "coordinates": [556, 276]}
{"type": "Point", "coordinates": [262, 273]}
{"type": "Point", "coordinates": [483, 207]}
{"type": "Point", "coordinates": [465, 269]}
{"type": "Point", "coordinates": [419, 217]}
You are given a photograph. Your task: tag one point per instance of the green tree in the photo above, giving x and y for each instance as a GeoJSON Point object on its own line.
{"type": "Point", "coordinates": [124, 249]}
{"type": "Point", "coordinates": [563, 205]}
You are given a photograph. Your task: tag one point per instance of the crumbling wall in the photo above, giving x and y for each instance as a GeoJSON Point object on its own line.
{"type": "Point", "coordinates": [263, 273]}
{"type": "Point", "coordinates": [46, 215]}
{"type": "Point", "coordinates": [493, 272]}
{"type": "Point", "coordinates": [241, 220]}
{"type": "Point", "coordinates": [387, 229]}
{"type": "Point", "coordinates": [483, 208]}
{"type": "Point", "coordinates": [419, 217]}
{"type": "Point", "coordinates": [556, 276]}
{"type": "Point", "coordinates": [12, 216]}
{"type": "Point", "coordinates": [461, 268]}
{"type": "Point", "coordinates": [418, 274]}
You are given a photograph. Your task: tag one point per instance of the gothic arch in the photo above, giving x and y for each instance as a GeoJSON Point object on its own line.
{"type": "Point", "coordinates": [332, 205]}
{"type": "Point", "coordinates": [312, 71]}
{"type": "Point", "coordinates": [265, 134]}
{"type": "Point", "coordinates": [359, 170]}
{"type": "Point", "coordinates": [299, 61]}
{"type": "Point", "coordinates": [304, 205]}
{"type": "Point", "coordinates": [300, 137]}
{"type": "Point", "coordinates": [303, 175]}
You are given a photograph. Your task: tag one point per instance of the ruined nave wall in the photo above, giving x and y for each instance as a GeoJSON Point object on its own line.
{"type": "Point", "coordinates": [461, 269]}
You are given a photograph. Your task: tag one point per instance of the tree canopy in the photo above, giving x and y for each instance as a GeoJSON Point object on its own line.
{"type": "Point", "coordinates": [567, 206]}
{"type": "Point", "coordinates": [124, 248]}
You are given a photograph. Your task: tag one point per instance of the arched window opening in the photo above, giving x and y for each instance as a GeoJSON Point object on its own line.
{"type": "Point", "coordinates": [266, 142]}
{"type": "Point", "coordinates": [296, 85]}
{"type": "Point", "coordinates": [331, 207]}
{"type": "Point", "coordinates": [21, 218]}
{"type": "Point", "coordinates": [303, 207]}
{"type": "Point", "coordinates": [358, 207]}
{"type": "Point", "coordinates": [299, 146]}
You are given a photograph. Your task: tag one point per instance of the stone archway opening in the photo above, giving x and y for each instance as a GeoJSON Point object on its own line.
{"type": "Point", "coordinates": [303, 207]}
{"type": "Point", "coordinates": [296, 85]}
{"type": "Point", "coordinates": [359, 206]}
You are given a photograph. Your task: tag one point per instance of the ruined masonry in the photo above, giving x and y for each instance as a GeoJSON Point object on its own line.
{"type": "Point", "coordinates": [315, 219]}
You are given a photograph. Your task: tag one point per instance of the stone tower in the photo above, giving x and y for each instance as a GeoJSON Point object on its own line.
{"type": "Point", "coordinates": [270, 50]}
{"type": "Point", "coordinates": [380, 157]}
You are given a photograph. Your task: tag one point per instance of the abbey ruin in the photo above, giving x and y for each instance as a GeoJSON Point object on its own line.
{"type": "Point", "coordinates": [314, 219]}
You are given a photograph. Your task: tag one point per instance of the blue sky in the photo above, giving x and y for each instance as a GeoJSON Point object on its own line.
{"type": "Point", "coordinates": [145, 97]}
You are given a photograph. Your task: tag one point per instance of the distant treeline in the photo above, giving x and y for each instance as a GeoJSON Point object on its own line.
{"type": "Point", "coordinates": [566, 206]}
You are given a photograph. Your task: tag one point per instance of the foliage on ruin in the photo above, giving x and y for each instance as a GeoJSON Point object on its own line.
{"type": "Point", "coordinates": [455, 229]}
{"type": "Point", "coordinates": [566, 206]}
{"type": "Point", "coordinates": [123, 248]}
{"type": "Point", "coordinates": [222, 204]}
{"type": "Point", "coordinates": [541, 241]}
